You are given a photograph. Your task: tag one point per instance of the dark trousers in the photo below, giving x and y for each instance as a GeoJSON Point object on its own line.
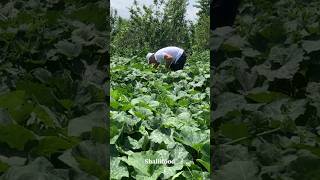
{"type": "Point", "coordinates": [179, 64]}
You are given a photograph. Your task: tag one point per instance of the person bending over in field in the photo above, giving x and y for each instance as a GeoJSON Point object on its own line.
{"type": "Point", "coordinates": [172, 57]}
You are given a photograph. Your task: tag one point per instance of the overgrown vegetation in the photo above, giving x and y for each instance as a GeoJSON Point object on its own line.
{"type": "Point", "coordinates": [53, 59]}
{"type": "Point", "coordinates": [156, 114]}
{"type": "Point", "coordinates": [265, 92]}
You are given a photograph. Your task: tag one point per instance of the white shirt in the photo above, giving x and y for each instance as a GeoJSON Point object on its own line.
{"type": "Point", "coordinates": [175, 52]}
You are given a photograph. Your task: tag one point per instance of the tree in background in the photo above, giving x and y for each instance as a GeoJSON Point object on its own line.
{"type": "Point", "coordinates": [131, 35]}
{"type": "Point", "coordinates": [113, 18]}
{"type": "Point", "coordinates": [119, 33]}
{"type": "Point", "coordinates": [202, 26]}
{"type": "Point", "coordinates": [174, 25]}
{"type": "Point", "coordinates": [152, 27]}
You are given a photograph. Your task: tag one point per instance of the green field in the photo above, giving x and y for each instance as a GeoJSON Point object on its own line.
{"type": "Point", "coordinates": [157, 114]}
{"type": "Point", "coordinates": [266, 93]}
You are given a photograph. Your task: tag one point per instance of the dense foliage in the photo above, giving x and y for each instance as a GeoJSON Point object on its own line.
{"type": "Point", "coordinates": [52, 93]}
{"type": "Point", "coordinates": [201, 34]}
{"type": "Point", "coordinates": [266, 92]}
{"type": "Point", "coordinates": [161, 24]}
{"type": "Point", "coordinates": [158, 114]}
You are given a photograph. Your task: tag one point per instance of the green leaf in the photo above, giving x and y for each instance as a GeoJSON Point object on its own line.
{"type": "Point", "coordinates": [46, 116]}
{"type": "Point", "coordinates": [250, 52]}
{"type": "Point", "coordinates": [91, 13]}
{"type": "Point", "coordinates": [306, 167]}
{"type": "Point", "coordinates": [99, 134]}
{"type": "Point", "coordinates": [42, 75]}
{"type": "Point", "coordinates": [40, 168]}
{"type": "Point", "coordinates": [13, 160]}
{"type": "Point", "coordinates": [64, 85]}
{"type": "Point", "coordinates": [196, 175]}
{"type": "Point", "coordinates": [158, 137]}
{"type": "Point", "coordinates": [52, 144]}
{"type": "Point", "coordinates": [228, 102]}
{"type": "Point", "coordinates": [5, 117]}
{"type": "Point", "coordinates": [290, 64]}
{"type": "Point", "coordinates": [91, 167]}
{"type": "Point", "coordinates": [265, 97]}
{"type": "Point", "coordinates": [277, 110]}
{"type": "Point", "coordinates": [234, 131]}
{"type": "Point", "coordinates": [205, 164]}
{"type": "Point", "coordinates": [138, 162]}
{"type": "Point", "coordinates": [16, 104]}
{"type": "Point", "coordinates": [43, 94]}
{"type": "Point", "coordinates": [311, 46]}
{"type": "Point", "coordinates": [85, 123]}
{"type": "Point", "coordinates": [69, 160]}
{"type": "Point", "coordinates": [15, 136]}
{"type": "Point", "coordinates": [118, 170]}
{"type": "Point", "coordinates": [240, 170]}
{"type": "Point", "coordinates": [205, 156]}
{"type": "Point", "coordinates": [234, 43]}
{"type": "Point", "coordinates": [134, 144]}
{"type": "Point", "coordinates": [141, 112]}
{"type": "Point", "coordinates": [274, 32]}
{"type": "Point", "coordinates": [181, 157]}
{"type": "Point", "coordinates": [92, 151]}
{"type": "Point", "coordinates": [67, 103]}
{"type": "Point", "coordinates": [192, 138]}
{"type": "Point", "coordinates": [314, 150]}
{"type": "Point", "coordinates": [146, 99]}
{"type": "Point", "coordinates": [3, 167]}
{"type": "Point", "coordinates": [69, 49]}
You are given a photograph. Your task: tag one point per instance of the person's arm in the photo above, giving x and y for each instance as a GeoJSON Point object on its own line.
{"type": "Point", "coordinates": [168, 60]}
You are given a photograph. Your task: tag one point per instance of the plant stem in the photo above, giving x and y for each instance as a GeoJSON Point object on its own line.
{"type": "Point", "coordinates": [257, 135]}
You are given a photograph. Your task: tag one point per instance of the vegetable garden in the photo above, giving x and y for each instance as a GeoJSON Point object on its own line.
{"type": "Point", "coordinates": [53, 59]}
{"type": "Point", "coordinates": [156, 114]}
{"type": "Point", "coordinates": [265, 96]}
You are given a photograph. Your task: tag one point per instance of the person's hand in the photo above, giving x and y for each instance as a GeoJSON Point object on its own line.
{"type": "Point", "coordinates": [168, 57]}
